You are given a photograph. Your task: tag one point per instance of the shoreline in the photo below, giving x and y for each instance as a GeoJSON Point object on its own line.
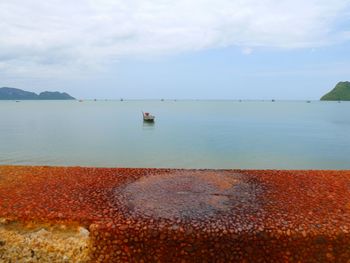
{"type": "Point", "coordinates": [157, 214]}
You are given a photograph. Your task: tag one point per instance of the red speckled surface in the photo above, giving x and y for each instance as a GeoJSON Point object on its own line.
{"type": "Point", "coordinates": [150, 215]}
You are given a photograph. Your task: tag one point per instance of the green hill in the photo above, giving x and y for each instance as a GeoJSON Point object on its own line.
{"type": "Point", "coordinates": [340, 92]}
{"type": "Point", "coordinates": [18, 94]}
{"type": "Point", "coordinates": [55, 95]}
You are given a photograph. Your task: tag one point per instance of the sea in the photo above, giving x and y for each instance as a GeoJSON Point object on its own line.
{"type": "Point", "coordinates": [186, 134]}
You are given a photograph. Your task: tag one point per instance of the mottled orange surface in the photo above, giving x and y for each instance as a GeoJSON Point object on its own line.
{"type": "Point", "coordinates": [150, 215]}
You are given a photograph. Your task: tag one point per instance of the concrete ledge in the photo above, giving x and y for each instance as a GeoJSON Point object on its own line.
{"type": "Point", "coordinates": [165, 215]}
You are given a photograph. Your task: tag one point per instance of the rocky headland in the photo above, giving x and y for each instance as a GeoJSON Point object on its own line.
{"type": "Point", "coordinates": [18, 94]}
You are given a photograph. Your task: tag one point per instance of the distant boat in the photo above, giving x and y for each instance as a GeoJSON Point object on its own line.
{"type": "Point", "coordinates": [80, 100]}
{"type": "Point", "coordinates": [162, 100]}
{"type": "Point", "coordinates": [121, 99]}
{"type": "Point", "coordinates": [308, 101]}
{"type": "Point", "coordinates": [148, 117]}
{"type": "Point", "coordinates": [273, 100]}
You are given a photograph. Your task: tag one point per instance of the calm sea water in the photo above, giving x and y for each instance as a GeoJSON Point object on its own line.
{"type": "Point", "coordinates": [186, 134]}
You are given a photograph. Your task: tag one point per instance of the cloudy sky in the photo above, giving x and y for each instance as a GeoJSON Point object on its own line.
{"type": "Point", "coordinates": [218, 49]}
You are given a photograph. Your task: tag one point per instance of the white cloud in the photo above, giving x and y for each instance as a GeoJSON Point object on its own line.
{"type": "Point", "coordinates": [64, 34]}
{"type": "Point", "coordinates": [247, 51]}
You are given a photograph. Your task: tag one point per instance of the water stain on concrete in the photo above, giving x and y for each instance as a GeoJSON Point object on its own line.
{"type": "Point", "coordinates": [187, 194]}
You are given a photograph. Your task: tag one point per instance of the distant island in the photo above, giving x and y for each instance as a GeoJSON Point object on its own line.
{"type": "Point", "coordinates": [340, 92]}
{"type": "Point", "coordinates": [18, 94]}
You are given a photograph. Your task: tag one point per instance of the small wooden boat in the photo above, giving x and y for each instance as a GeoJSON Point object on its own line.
{"type": "Point", "coordinates": [147, 117]}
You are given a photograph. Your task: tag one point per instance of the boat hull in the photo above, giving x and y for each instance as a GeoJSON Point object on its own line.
{"type": "Point", "coordinates": [148, 119]}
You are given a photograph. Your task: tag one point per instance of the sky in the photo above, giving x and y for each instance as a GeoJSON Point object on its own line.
{"type": "Point", "coordinates": [184, 49]}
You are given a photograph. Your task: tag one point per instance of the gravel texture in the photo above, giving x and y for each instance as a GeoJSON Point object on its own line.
{"type": "Point", "coordinates": [165, 215]}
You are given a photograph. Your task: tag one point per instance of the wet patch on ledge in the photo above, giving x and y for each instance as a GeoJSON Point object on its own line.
{"type": "Point", "coordinates": [189, 195]}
